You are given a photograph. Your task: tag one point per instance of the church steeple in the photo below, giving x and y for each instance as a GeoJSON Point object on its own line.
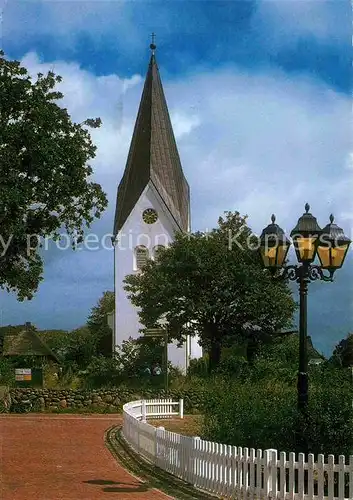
{"type": "Point", "coordinates": [153, 45]}
{"type": "Point", "coordinates": [153, 156]}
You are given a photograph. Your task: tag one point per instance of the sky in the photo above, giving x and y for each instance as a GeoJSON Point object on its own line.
{"type": "Point", "coordinates": [259, 94]}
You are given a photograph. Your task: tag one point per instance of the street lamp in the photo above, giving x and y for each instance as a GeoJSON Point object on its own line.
{"type": "Point", "coordinates": [330, 244]}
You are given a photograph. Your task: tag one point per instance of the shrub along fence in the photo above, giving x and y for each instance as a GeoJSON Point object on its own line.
{"type": "Point", "coordinates": [231, 471]}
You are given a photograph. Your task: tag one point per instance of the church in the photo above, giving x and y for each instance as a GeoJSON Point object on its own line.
{"type": "Point", "coordinates": [153, 203]}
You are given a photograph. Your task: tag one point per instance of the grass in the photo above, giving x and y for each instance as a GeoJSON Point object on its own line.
{"type": "Point", "coordinates": [83, 411]}
{"type": "Point", "coordinates": [190, 425]}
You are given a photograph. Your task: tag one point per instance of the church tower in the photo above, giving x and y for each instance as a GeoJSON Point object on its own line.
{"type": "Point", "coordinates": [153, 203]}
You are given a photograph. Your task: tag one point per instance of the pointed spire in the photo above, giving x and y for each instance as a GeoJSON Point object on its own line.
{"type": "Point", "coordinates": [153, 156]}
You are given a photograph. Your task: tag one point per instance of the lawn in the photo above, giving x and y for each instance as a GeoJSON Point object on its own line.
{"type": "Point", "coordinates": [190, 425]}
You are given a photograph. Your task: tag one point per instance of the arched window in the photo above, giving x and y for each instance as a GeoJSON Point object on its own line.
{"type": "Point", "coordinates": [157, 250]}
{"type": "Point", "coordinates": [141, 256]}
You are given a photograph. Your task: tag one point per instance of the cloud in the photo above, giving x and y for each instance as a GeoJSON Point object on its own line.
{"type": "Point", "coordinates": [95, 27]}
{"type": "Point", "coordinates": [183, 124]}
{"type": "Point", "coordinates": [265, 143]}
{"type": "Point", "coordinates": [257, 142]}
{"type": "Point", "coordinates": [83, 91]}
{"type": "Point", "coordinates": [286, 22]}
{"type": "Point", "coordinates": [69, 19]}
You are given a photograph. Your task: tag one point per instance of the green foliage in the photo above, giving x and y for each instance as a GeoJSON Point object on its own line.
{"type": "Point", "coordinates": [7, 372]}
{"type": "Point", "coordinates": [278, 361]}
{"type": "Point", "coordinates": [98, 326]}
{"type": "Point", "coordinates": [330, 425]}
{"type": "Point", "coordinates": [147, 352]}
{"type": "Point", "coordinates": [198, 367]}
{"type": "Point", "coordinates": [45, 178]}
{"type": "Point", "coordinates": [102, 372]}
{"type": "Point", "coordinates": [27, 361]}
{"type": "Point", "coordinates": [210, 285]}
{"type": "Point", "coordinates": [263, 414]}
{"type": "Point", "coordinates": [233, 367]}
{"type": "Point", "coordinates": [56, 340]}
{"type": "Point", "coordinates": [127, 365]}
{"type": "Point", "coordinates": [343, 352]}
{"type": "Point", "coordinates": [256, 405]}
{"type": "Point", "coordinates": [193, 389]}
{"type": "Point", "coordinates": [78, 349]}
{"type": "Point", "coordinates": [249, 414]}
{"type": "Point", "coordinates": [277, 358]}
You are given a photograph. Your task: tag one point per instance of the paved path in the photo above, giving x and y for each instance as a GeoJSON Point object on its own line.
{"type": "Point", "coordinates": [63, 457]}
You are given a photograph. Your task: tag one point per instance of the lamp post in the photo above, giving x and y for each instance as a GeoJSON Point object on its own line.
{"type": "Point", "coordinates": [329, 244]}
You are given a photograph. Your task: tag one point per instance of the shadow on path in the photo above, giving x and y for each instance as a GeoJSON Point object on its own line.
{"type": "Point", "coordinates": [119, 487]}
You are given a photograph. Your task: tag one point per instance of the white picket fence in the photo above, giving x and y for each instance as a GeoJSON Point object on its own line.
{"type": "Point", "coordinates": [229, 471]}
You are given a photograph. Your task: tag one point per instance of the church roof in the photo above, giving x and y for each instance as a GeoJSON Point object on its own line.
{"type": "Point", "coordinates": [153, 157]}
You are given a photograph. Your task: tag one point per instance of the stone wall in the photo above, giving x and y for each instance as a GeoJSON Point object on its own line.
{"type": "Point", "coordinates": [54, 399]}
{"type": "Point", "coordinates": [98, 400]}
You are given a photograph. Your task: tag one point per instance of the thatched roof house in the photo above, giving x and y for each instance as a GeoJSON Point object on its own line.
{"type": "Point", "coordinates": [24, 341]}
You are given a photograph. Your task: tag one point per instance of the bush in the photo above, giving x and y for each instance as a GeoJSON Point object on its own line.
{"type": "Point", "coordinates": [253, 415]}
{"type": "Point", "coordinates": [102, 372]}
{"type": "Point", "coordinates": [7, 372]}
{"type": "Point", "coordinates": [330, 415]}
{"type": "Point", "coordinates": [192, 390]}
{"type": "Point", "coordinates": [262, 413]}
{"type": "Point", "coordinates": [234, 367]}
{"type": "Point", "coordinates": [198, 367]}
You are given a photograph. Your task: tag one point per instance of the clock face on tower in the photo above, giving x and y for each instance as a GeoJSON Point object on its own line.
{"type": "Point", "coordinates": [150, 216]}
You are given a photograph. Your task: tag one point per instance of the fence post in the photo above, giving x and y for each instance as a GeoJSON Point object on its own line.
{"type": "Point", "coordinates": [138, 435]}
{"type": "Point", "coordinates": [144, 411]}
{"type": "Point", "coordinates": [159, 449]}
{"type": "Point", "coordinates": [193, 469]}
{"type": "Point", "coordinates": [270, 473]}
{"type": "Point", "coordinates": [181, 408]}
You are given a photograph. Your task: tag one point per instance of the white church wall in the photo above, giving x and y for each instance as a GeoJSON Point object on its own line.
{"type": "Point", "coordinates": [195, 348]}
{"type": "Point", "coordinates": [136, 232]}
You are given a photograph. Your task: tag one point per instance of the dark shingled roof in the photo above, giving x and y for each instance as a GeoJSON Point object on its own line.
{"type": "Point", "coordinates": [153, 156]}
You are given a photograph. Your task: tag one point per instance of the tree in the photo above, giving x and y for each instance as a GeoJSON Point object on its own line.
{"type": "Point", "coordinates": [45, 187]}
{"type": "Point", "coordinates": [98, 326]}
{"type": "Point", "coordinates": [79, 348]}
{"type": "Point", "coordinates": [212, 284]}
{"type": "Point", "coordinates": [128, 364]}
{"type": "Point", "coordinates": [135, 355]}
{"type": "Point", "coordinates": [343, 352]}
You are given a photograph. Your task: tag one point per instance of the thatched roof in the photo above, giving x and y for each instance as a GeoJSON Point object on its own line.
{"type": "Point", "coordinates": [25, 342]}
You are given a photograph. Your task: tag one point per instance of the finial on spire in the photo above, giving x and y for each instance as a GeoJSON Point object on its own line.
{"type": "Point", "coordinates": [153, 44]}
{"type": "Point", "coordinates": [332, 218]}
{"type": "Point", "coordinates": [273, 218]}
{"type": "Point", "coordinates": [307, 207]}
